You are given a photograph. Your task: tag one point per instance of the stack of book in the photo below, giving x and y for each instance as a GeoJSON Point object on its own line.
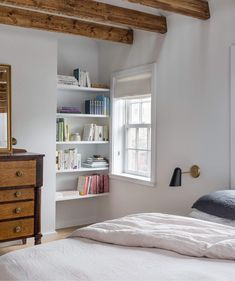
{"type": "Point", "coordinates": [96, 162]}
{"type": "Point", "coordinates": [82, 77]}
{"type": "Point", "coordinates": [93, 132]}
{"type": "Point", "coordinates": [62, 130]}
{"type": "Point", "coordinates": [68, 159]}
{"type": "Point", "coordinates": [98, 106]}
{"type": "Point", "coordinates": [94, 184]}
{"type": "Point", "coordinates": [67, 80]}
{"type": "Point", "coordinates": [69, 109]}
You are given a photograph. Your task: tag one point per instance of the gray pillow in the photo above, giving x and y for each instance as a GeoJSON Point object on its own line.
{"type": "Point", "coordinates": [220, 203]}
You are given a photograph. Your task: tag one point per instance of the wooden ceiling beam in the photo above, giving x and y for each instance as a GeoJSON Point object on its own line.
{"type": "Point", "coordinates": [193, 8]}
{"type": "Point", "coordinates": [96, 11]}
{"type": "Point", "coordinates": [30, 19]}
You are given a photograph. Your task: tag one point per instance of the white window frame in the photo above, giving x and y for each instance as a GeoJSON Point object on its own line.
{"type": "Point", "coordinates": [118, 121]}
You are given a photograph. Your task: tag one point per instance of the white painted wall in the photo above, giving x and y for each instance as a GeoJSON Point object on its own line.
{"type": "Point", "coordinates": [33, 56]}
{"type": "Point", "coordinates": [192, 108]}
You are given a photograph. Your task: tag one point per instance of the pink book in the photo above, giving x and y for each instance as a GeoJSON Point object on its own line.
{"type": "Point", "coordinates": [106, 183]}
{"type": "Point", "coordinates": [101, 183]}
{"type": "Point", "coordinates": [86, 185]}
{"type": "Point", "coordinates": [98, 183]}
{"type": "Point", "coordinates": [93, 185]}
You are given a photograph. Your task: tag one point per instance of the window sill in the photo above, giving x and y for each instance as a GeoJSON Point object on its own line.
{"type": "Point", "coordinates": [133, 179]}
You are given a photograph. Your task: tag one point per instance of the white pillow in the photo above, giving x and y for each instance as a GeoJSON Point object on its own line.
{"type": "Point", "coordinates": [206, 217]}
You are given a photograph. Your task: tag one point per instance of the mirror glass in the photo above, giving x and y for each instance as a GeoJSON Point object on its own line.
{"type": "Point", "coordinates": [5, 109]}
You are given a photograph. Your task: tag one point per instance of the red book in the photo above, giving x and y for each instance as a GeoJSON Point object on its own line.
{"type": "Point", "coordinates": [98, 184]}
{"type": "Point", "coordinates": [101, 183]}
{"type": "Point", "coordinates": [94, 185]}
{"type": "Point", "coordinates": [106, 183]}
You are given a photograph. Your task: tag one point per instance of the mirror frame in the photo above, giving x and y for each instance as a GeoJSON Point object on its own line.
{"type": "Point", "coordinates": [9, 119]}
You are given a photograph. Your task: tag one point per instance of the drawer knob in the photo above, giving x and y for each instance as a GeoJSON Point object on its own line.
{"type": "Point", "coordinates": [18, 194]}
{"type": "Point", "coordinates": [19, 174]}
{"type": "Point", "coordinates": [17, 210]}
{"type": "Point", "coordinates": [18, 229]}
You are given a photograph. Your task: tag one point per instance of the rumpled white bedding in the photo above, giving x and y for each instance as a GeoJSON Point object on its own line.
{"type": "Point", "coordinates": [183, 235]}
{"type": "Point", "coordinates": [88, 260]}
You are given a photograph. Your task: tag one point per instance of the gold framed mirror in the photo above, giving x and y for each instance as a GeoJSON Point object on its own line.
{"type": "Point", "coordinates": [5, 109]}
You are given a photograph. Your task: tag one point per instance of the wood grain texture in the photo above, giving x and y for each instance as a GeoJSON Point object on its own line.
{"type": "Point", "coordinates": [193, 8]}
{"type": "Point", "coordinates": [16, 210]}
{"type": "Point", "coordinates": [8, 229]}
{"type": "Point", "coordinates": [30, 19]}
{"type": "Point", "coordinates": [9, 173]}
{"type": "Point", "coordinates": [98, 12]}
{"type": "Point", "coordinates": [16, 194]}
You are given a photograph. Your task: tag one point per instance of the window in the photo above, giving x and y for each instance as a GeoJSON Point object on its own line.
{"type": "Point", "coordinates": [133, 132]}
{"type": "Point", "coordinates": [137, 157]}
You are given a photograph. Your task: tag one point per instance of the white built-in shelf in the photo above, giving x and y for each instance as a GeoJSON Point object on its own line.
{"type": "Point", "coordinates": [74, 195]}
{"type": "Point", "coordinates": [82, 89]}
{"type": "Point", "coordinates": [81, 142]}
{"type": "Point", "coordinates": [81, 170]}
{"type": "Point", "coordinates": [68, 115]}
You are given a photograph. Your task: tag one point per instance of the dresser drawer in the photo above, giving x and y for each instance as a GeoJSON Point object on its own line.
{"type": "Point", "coordinates": [17, 173]}
{"type": "Point", "coordinates": [16, 194]}
{"type": "Point", "coordinates": [16, 210]}
{"type": "Point", "coordinates": [17, 228]}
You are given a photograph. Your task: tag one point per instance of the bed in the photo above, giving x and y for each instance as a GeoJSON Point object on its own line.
{"type": "Point", "coordinates": [137, 247]}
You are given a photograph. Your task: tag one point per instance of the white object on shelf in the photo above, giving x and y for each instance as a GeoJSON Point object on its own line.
{"type": "Point", "coordinates": [74, 195]}
{"type": "Point", "coordinates": [64, 115]}
{"type": "Point", "coordinates": [81, 142]}
{"type": "Point", "coordinates": [82, 170]}
{"type": "Point", "coordinates": [83, 89]}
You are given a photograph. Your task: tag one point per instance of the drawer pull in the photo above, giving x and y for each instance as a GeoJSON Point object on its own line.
{"type": "Point", "coordinates": [18, 194]}
{"type": "Point", "coordinates": [18, 229]}
{"type": "Point", "coordinates": [19, 174]}
{"type": "Point", "coordinates": [17, 210]}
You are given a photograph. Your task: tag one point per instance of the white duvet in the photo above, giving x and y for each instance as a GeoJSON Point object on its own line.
{"type": "Point", "coordinates": [183, 235]}
{"type": "Point", "coordinates": [83, 259]}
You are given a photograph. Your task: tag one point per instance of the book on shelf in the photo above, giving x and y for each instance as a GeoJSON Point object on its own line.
{"type": "Point", "coordinates": [98, 106]}
{"type": "Point", "coordinates": [99, 85]}
{"type": "Point", "coordinates": [96, 162]}
{"type": "Point", "coordinates": [93, 132]}
{"type": "Point", "coordinates": [69, 109]}
{"type": "Point", "coordinates": [67, 80]}
{"type": "Point", "coordinates": [68, 159]}
{"type": "Point", "coordinates": [62, 130]}
{"type": "Point", "coordinates": [82, 77]}
{"type": "Point", "coordinates": [94, 184]}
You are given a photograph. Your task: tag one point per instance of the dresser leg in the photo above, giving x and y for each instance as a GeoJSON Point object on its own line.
{"type": "Point", "coordinates": [24, 241]}
{"type": "Point", "coordinates": [37, 240]}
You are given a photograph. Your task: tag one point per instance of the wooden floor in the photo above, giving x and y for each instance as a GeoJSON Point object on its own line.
{"type": "Point", "coordinates": [61, 233]}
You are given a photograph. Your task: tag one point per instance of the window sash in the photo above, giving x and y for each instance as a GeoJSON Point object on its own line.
{"type": "Point", "coordinates": [138, 126]}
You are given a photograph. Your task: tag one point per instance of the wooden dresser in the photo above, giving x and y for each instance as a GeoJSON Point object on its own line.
{"type": "Point", "coordinates": [21, 178]}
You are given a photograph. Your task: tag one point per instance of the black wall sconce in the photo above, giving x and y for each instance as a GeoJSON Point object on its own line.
{"type": "Point", "coordinates": [177, 175]}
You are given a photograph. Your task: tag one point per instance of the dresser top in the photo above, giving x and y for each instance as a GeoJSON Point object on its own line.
{"type": "Point", "coordinates": [19, 156]}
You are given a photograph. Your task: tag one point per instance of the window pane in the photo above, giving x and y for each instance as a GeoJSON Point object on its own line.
{"type": "Point", "coordinates": [131, 165]}
{"type": "Point", "coordinates": [143, 161]}
{"type": "Point", "coordinates": [146, 113]}
{"type": "Point", "coordinates": [134, 114]}
{"type": "Point", "coordinates": [143, 138]}
{"type": "Point", "coordinates": [131, 138]}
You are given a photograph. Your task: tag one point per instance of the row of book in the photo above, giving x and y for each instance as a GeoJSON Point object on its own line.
{"type": "Point", "coordinates": [93, 184]}
{"type": "Point", "coordinates": [68, 159]}
{"type": "Point", "coordinates": [101, 106]}
{"type": "Point", "coordinates": [93, 132]}
{"type": "Point", "coordinates": [67, 80]}
{"type": "Point", "coordinates": [82, 77]}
